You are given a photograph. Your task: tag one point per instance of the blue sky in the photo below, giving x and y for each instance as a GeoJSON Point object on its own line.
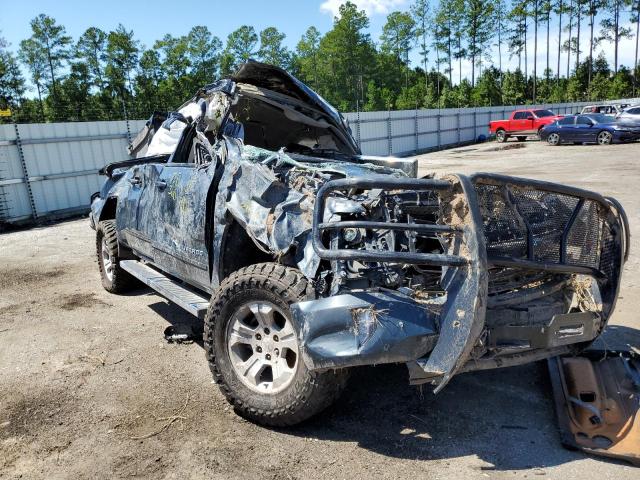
{"type": "Point", "coordinates": [151, 20]}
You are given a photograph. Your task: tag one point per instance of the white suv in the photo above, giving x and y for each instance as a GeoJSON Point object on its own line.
{"type": "Point", "coordinates": [611, 109]}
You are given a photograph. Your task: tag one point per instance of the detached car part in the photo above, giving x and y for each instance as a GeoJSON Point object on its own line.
{"type": "Point", "coordinates": [597, 400]}
{"type": "Point", "coordinates": [253, 208]}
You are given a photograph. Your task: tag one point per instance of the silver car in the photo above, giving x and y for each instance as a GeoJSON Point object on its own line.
{"type": "Point", "coordinates": [630, 113]}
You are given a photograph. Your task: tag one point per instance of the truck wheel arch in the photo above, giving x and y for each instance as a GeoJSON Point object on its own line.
{"type": "Point", "coordinates": [238, 250]}
{"type": "Point", "coordinates": [108, 211]}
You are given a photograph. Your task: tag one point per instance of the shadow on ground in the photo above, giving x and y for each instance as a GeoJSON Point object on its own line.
{"type": "Point", "coordinates": [504, 417]}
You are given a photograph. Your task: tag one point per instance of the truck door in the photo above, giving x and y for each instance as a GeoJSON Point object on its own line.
{"type": "Point", "coordinates": [522, 122]}
{"type": "Point", "coordinates": [173, 211]}
{"type": "Point", "coordinates": [127, 207]}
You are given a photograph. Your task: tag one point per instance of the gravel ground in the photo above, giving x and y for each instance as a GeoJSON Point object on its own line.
{"type": "Point", "coordinates": [85, 374]}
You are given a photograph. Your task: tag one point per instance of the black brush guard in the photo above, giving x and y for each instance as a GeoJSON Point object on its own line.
{"type": "Point", "coordinates": [509, 223]}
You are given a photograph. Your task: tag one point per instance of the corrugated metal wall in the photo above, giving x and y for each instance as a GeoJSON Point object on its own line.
{"type": "Point", "coordinates": [50, 169]}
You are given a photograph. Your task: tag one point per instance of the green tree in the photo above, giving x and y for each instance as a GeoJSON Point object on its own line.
{"type": "Point", "coordinates": [478, 25]}
{"type": "Point", "coordinates": [517, 33]}
{"type": "Point", "coordinates": [306, 58]}
{"type": "Point", "coordinates": [514, 88]}
{"type": "Point", "coordinates": [458, 33]}
{"type": "Point", "coordinates": [149, 93]}
{"type": "Point", "coordinates": [121, 60]}
{"type": "Point", "coordinates": [421, 16]}
{"type": "Point", "coordinates": [397, 38]}
{"type": "Point", "coordinates": [52, 39]}
{"type": "Point", "coordinates": [241, 45]}
{"type": "Point", "coordinates": [501, 19]}
{"type": "Point", "coordinates": [75, 89]}
{"type": "Point", "coordinates": [613, 29]}
{"type": "Point", "coordinates": [487, 91]}
{"type": "Point", "coordinates": [621, 84]}
{"type": "Point", "coordinates": [592, 12]}
{"type": "Point", "coordinates": [271, 49]}
{"type": "Point", "coordinates": [91, 49]}
{"type": "Point", "coordinates": [203, 50]}
{"type": "Point", "coordinates": [559, 10]}
{"type": "Point", "coordinates": [12, 85]}
{"type": "Point", "coordinates": [35, 60]}
{"type": "Point", "coordinates": [178, 84]}
{"type": "Point", "coordinates": [443, 35]}
{"type": "Point", "coordinates": [347, 57]}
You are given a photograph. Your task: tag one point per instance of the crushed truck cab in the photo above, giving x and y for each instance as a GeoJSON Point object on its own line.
{"type": "Point", "coordinates": [253, 208]}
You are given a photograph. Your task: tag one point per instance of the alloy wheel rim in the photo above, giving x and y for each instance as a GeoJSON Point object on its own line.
{"type": "Point", "coordinates": [554, 138]}
{"type": "Point", "coordinates": [604, 138]}
{"type": "Point", "coordinates": [262, 347]}
{"type": "Point", "coordinates": [107, 260]}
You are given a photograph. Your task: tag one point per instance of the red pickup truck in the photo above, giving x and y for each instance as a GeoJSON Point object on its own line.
{"type": "Point", "coordinates": [522, 123]}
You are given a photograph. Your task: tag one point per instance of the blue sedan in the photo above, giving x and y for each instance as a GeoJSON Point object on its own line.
{"type": "Point", "coordinates": [594, 128]}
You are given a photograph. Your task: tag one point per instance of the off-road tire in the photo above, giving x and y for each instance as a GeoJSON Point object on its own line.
{"type": "Point", "coordinates": [120, 281]}
{"type": "Point", "coordinates": [501, 135]}
{"type": "Point", "coordinates": [309, 392]}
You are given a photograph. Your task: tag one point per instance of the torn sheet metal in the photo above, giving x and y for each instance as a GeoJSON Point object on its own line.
{"type": "Point", "coordinates": [597, 399]}
{"type": "Point", "coordinates": [274, 213]}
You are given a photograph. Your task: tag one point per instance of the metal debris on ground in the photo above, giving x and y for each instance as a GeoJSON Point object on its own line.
{"type": "Point", "coordinates": [597, 399]}
{"type": "Point", "coordinates": [179, 334]}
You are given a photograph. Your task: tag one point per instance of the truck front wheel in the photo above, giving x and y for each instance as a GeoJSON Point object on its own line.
{"type": "Point", "coordinates": [114, 278]}
{"type": "Point", "coordinates": [501, 135]}
{"type": "Point", "coordinates": [253, 348]}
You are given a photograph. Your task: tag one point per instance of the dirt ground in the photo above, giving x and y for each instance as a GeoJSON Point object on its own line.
{"type": "Point", "coordinates": [85, 376]}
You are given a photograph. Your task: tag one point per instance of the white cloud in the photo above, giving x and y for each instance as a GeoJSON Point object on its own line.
{"type": "Point", "coordinates": [372, 7]}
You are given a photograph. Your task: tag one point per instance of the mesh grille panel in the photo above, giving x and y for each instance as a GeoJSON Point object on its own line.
{"type": "Point", "coordinates": [608, 258]}
{"type": "Point", "coordinates": [503, 230]}
{"type": "Point", "coordinates": [546, 214]}
{"type": "Point", "coordinates": [583, 242]}
{"type": "Point", "coordinates": [510, 211]}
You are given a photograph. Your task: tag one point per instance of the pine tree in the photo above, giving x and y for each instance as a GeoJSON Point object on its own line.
{"type": "Point", "coordinates": [52, 39]}
{"type": "Point", "coordinates": [477, 21]}
{"type": "Point", "coordinates": [422, 20]}
{"type": "Point", "coordinates": [612, 28]}
{"type": "Point", "coordinates": [271, 49]}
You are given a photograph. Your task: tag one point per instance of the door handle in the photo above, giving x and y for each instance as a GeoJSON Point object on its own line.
{"type": "Point", "coordinates": [135, 181]}
{"type": "Point", "coordinates": [161, 184]}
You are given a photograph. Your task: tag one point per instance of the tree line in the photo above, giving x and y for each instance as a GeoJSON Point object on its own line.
{"type": "Point", "coordinates": [111, 75]}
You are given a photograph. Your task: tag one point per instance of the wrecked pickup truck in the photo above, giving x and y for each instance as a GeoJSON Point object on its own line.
{"type": "Point", "coordinates": [253, 208]}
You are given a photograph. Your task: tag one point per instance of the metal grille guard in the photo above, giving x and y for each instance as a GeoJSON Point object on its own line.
{"type": "Point", "coordinates": [382, 182]}
{"type": "Point", "coordinates": [463, 317]}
